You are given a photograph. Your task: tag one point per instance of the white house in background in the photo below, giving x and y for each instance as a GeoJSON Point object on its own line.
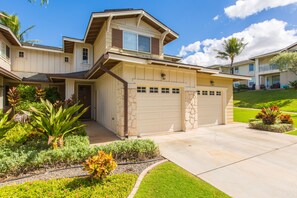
{"type": "Point", "coordinates": [261, 72]}
{"type": "Point", "coordinates": [120, 70]}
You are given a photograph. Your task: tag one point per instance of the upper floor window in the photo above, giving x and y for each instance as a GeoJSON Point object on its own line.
{"type": "Point", "coordinates": [66, 59]}
{"type": "Point", "coordinates": [85, 56]}
{"type": "Point", "coordinates": [236, 70]}
{"type": "Point", "coordinates": [136, 42]}
{"type": "Point", "coordinates": [21, 54]}
{"type": "Point", "coordinates": [251, 67]}
{"type": "Point", "coordinates": [7, 52]}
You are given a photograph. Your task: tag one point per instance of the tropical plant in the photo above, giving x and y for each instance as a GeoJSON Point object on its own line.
{"type": "Point", "coordinates": [39, 93]}
{"type": "Point", "coordinates": [269, 115]}
{"type": "Point", "coordinates": [12, 21]}
{"type": "Point", "coordinates": [286, 61]}
{"type": "Point", "coordinates": [100, 165]}
{"type": "Point", "coordinates": [13, 98]}
{"type": "Point", "coordinates": [5, 123]}
{"type": "Point", "coordinates": [232, 48]}
{"type": "Point", "coordinates": [56, 123]}
{"type": "Point", "coordinates": [26, 92]}
{"type": "Point", "coordinates": [286, 119]}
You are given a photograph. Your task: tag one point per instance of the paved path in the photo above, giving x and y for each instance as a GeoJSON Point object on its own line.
{"type": "Point", "coordinates": [241, 162]}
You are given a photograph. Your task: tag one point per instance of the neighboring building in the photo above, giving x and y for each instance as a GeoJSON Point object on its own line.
{"type": "Point", "coordinates": [119, 69]}
{"type": "Point", "coordinates": [263, 74]}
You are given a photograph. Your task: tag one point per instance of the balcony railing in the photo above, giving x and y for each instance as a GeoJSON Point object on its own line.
{"type": "Point", "coordinates": [267, 68]}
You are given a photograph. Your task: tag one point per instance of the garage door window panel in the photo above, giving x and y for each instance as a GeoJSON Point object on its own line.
{"type": "Point", "coordinates": [211, 93]}
{"type": "Point", "coordinates": [204, 93]}
{"type": "Point", "coordinates": [141, 89]}
{"type": "Point", "coordinates": [219, 93]}
{"type": "Point", "coordinates": [154, 90]}
{"type": "Point", "coordinates": [165, 90]}
{"type": "Point", "coordinates": [175, 91]}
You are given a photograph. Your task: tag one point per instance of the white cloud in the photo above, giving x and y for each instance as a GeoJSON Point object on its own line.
{"type": "Point", "coordinates": [244, 8]}
{"type": "Point", "coordinates": [261, 37]}
{"type": "Point", "coordinates": [216, 18]}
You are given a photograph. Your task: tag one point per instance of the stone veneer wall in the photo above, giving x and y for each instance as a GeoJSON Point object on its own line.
{"type": "Point", "coordinates": [120, 109]}
{"type": "Point", "coordinates": [191, 114]}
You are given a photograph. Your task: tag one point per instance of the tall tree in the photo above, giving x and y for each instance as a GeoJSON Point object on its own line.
{"type": "Point", "coordinates": [12, 21]}
{"type": "Point", "coordinates": [232, 48]}
{"type": "Point", "coordinates": [286, 61]}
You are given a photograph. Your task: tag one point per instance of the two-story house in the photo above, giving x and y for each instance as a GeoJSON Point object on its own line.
{"type": "Point", "coordinates": [120, 70]}
{"type": "Point", "coordinates": [262, 73]}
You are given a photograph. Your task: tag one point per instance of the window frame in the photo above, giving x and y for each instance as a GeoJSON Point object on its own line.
{"type": "Point", "coordinates": [67, 58]}
{"type": "Point", "coordinates": [166, 89]}
{"type": "Point", "coordinates": [88, 55]}
{"type": "Point", "coordinates": [175, 91]}
{"type": "Point", "coordinates": [219, 93]}
{"type": "Point", "coordinates": [203, 93]}
{"type": "Point", "coordinates": [19, 52]}
{"type": "Point", "coordinates": [9, 52]}
{"type": "Point", "coordinates": [141, 89]}
{"type": "Point", "coordinates": [250, 67]}
{"type": "Point", "coordinates": [137, 42]}
{"type": "Point", "coordinates": [154, 90]}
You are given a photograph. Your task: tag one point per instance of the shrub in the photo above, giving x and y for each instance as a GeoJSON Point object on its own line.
{"type": "Point", "coordinates": [20, 133]}
{"type": "Point", "coordinates": [279, 128]}
{"type": "Point", "coordinates": [16, 158]}
{"type": "Point", "coordinates": [26, 92]}
{"type": "Point", "coordinates": [293, 84]}
{"type": "Point", "coordinates": [243, 86]}
{"type": "Point", "coordinates": [269, 115]}
{"type": "Point", "coordinates": [286, 119]}
{"type": "Point", "coordinates": [26, 106]}
{"type": "Point", "coordinates": [5, 123]}
{"type": "Point", "coordinates": [100, 165]}
{"type": "Point", "coordinates": [52, 94]}
{"type": "Point", "coordinates": [56, 123]}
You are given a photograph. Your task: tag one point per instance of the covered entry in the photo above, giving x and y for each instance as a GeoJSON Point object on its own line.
{"type": "Point", "coordinates": [158, 109]}
{"type": "Point", "coordinates": [210, 106]}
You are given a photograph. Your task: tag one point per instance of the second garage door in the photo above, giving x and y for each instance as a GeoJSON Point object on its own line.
{"type": "Point", "coordinates": [158, 109]}
{"type": "Point", "coordinates": [210, 107]}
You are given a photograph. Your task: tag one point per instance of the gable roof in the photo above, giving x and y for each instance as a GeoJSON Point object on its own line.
{"type": "Point", "coordinates": [97, 20]}
{"type": "Point", "coordinates": [9, 35]}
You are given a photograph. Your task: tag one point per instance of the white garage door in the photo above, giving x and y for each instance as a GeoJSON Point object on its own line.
{"type": "Point", "coordinates": [210, 107]}
{"type": "Point", "coordinates": [158, 109]}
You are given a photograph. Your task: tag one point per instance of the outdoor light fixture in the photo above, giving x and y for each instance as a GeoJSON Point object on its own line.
{"type": "Point", "coordinates": [163, 76]}
{"type": "Point", "coordinates": [211, 82]}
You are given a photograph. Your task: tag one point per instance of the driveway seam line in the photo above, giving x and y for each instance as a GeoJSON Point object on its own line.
{"type": "Point", "coordinates": [254, 156]}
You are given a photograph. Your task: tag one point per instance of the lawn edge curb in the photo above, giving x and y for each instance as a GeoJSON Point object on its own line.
{"type": "Point", "coordinates": [141, 176]}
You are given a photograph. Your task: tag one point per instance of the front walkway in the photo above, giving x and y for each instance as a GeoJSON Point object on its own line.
{"type": "Point", "coordinates": [98, 134]}
{"type": "Point", "coordinates": [239, 161]}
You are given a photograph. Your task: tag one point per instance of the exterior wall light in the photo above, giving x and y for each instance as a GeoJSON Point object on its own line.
{"type": "Point", "coordinates": [163, 76]}
{"type": "Point", "coordinates": [212, 83]}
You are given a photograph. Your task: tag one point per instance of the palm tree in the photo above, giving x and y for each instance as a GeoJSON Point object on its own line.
{"type": "Point", "coordinates": [232, 47]}
{"type": "Point", "coordinates": [12, 21]}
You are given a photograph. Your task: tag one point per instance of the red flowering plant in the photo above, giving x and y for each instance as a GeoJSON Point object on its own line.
{"type": "Point", "coordinates": [286, 119]}
{"type": "Point", "coordinates": [269, 115]}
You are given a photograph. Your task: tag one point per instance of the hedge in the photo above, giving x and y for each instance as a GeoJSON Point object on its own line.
{"type": "Point", "coordinates": [278, 128]}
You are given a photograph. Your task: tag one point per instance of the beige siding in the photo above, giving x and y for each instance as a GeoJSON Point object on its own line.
{"type": "Point", "coordinates": [204, 80]}
{"type": "Point", "coordinates": [78, 48]}
{"type": "Point", "coordinates": [4, 62]}
{"type": "Point", "coordinates": [286, 77]}
{"type": "Point", "coordinates": [131, 25]}
{"type": "Point", "coordinates": [100, 44]}
{"type": "Point", "coordinates": [106, 90]}
{"type": "Point", "coordinates": [40, 61]}
{"type": "Point", "coordinates": [148, 74]}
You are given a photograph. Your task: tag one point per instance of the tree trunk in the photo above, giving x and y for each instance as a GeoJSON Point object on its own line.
{"type": "Point", "coordinates": [231, 65]}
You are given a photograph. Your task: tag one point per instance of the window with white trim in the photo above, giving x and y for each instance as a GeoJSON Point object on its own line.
{"type": "Point", "coordinates": [165, 90]}
{"type": "Point", "coordinates": [175, 90]}
{"type": "Point", "coordinates": [136, 42]}
{"type": "Point", "coordinates": [66, 59]}
{"type": "Point", "coordinates": [198, 93]}
{"type": "Point", "coordinates": [141, 89]}
{"type": "Point", "coordinates": [204, 93]}
{"type": "Point", "coordinates": [85, 55]}
{"type": "Point", "coordinates": [21, 54]}
{"type": "Point", "coordinates": [154, 90]}
{"type": "Point", "coordinates": [219, 93]}
{"type": "Point", "coordinates": [211, 93]}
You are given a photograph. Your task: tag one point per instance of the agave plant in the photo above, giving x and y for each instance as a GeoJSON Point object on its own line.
{"type": "Point", "coordinates": [56, 123]}
{"type": "Point", "coordinates": [5, 123]}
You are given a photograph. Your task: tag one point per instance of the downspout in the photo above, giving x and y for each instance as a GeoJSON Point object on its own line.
{"type": "Point", "coordinates": [125, 84]}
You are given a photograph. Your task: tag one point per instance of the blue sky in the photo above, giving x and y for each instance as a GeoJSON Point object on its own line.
{"type": "Point", "coordinates": [192, 19]}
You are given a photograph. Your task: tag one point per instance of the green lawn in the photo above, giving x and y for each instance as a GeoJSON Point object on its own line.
{"type": "Point", "coordinates": [119, 185]}
{"type": "Point", "coordinates": [285, 99]}
{"type": "Point", "coordinates": [244, 115]}
{"type": "Point", "coordinates": [169, 180]}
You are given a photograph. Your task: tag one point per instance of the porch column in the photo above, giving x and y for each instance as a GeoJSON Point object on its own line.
{"type": "Point", "coordinates": [257, 77]}
{"type": "Point", "coordinates": [1, 93]}
{"type": "Point", "coordinates": [69, 88]}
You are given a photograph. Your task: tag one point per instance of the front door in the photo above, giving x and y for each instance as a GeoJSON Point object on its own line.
{"type": "Point", "coordinates": [85, 98]}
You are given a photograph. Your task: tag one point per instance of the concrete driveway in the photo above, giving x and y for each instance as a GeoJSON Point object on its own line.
{"type": "Point", "coordinates": [237, 160]}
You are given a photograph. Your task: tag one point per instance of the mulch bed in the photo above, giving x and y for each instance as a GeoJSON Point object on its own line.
{"type": "Point", "coordinates": [75, 171]}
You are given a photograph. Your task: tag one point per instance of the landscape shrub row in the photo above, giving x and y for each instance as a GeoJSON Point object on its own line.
{"type": "Point", "coordinates": [279, 127]}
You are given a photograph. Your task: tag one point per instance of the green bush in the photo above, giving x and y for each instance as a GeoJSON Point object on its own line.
{"type": "Point", "coordinates": [293, 84]}
{"type": "Point", "coordinates": [26, 105]}
{"type": "Point", "coordinates": [279, 127]}
{"type": "Point", "coordinates": [20, 133]}
{"type": "Point", "coordinates": [26, 92]}
{"type": "Point", "coordinates": [16, 158]}
{"type": "Point", "coordinates": [116, 186]}
{"type": "Point", "coordinates": [52, 94]}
